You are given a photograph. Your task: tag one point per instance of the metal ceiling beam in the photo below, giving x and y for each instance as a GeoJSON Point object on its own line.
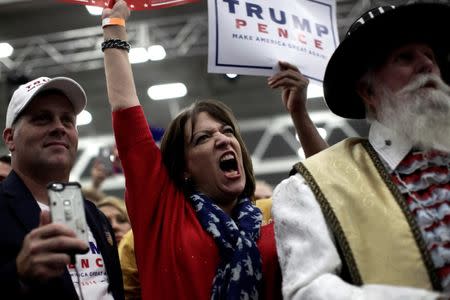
{"type": "Point", "coordinates": [79, 50]}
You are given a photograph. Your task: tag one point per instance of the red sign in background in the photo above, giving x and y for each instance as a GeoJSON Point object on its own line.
{"type": "Point", "coordinates": [133, 4]}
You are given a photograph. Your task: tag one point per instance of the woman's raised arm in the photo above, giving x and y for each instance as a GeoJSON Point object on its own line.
{"type": "Point", "coordinates": [119, 76]}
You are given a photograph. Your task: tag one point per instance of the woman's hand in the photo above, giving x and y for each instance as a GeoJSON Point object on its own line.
{"type": "Point", "coordinates": [119, 76]}
{"type": "Point", "coordinates": [119, 10]}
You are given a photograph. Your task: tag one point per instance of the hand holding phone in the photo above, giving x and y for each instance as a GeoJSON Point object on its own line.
{"type": "Point", "coordinates": [58, 244]}
{"type": "Point", "coordinates": [67, 207]}
{"type": "Point", "coordinates": [109, 159]}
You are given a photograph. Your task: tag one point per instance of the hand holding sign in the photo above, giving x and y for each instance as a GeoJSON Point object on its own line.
{"type": "Point", "coordinates": [116, 9]}
{"type": "Point", "coordinates": [132, 4]}
{"type": "Point", "coordinates": [293, 85]}
{"type": "Point", "coordinates": [248, 38]}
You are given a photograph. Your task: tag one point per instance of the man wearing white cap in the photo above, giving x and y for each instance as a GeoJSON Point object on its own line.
{"type": "Point", "coordinates": [42, 137]}
{"type": "Point", "coordinates": [370, 218]}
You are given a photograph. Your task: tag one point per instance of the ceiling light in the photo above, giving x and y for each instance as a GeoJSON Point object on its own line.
{"type": "Point", "coordinates": [314, 91]}
{"type": "Point", "coordinates": [84, 118]}
{"type": "Point", "coordinates": [138, 55]}
{"type": "Point", "coordinates": [94, 10]}
{"type": "Point", "coordinates": [232, 76]}
{"type": "Point", "coordinates": [5, 50]}
{"type": "Point", "coordinates": [156, 52]}
{"type": "Point", "coordinates": [167, 91]}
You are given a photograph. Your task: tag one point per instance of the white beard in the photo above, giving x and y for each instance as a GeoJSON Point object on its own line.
{"type": "Point", "coordinates": [421, 114]}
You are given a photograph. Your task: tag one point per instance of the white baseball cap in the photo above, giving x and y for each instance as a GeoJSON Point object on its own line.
{"type": "Point", "coordinates": [26, 92]}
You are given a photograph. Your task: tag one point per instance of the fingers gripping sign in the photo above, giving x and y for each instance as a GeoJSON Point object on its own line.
{"type": "Point", "coordinates": [293, 84]}
{"type": "Point", "coordinates": [46, 251]}
{"type": "Point", "coordinates": [116, 9]}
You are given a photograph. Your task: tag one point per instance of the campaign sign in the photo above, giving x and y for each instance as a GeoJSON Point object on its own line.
{"type": "Point", "coordinates": [250, 37]}
{"type": "Point", "coordinates": [133, 4]}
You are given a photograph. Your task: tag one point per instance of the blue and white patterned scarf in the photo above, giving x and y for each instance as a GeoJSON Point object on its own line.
{"type": "Point", "coordinates": [239, 274]}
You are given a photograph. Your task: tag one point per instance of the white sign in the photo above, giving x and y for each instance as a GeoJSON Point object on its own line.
{"type": "Point", "coordinates": [250, 37]}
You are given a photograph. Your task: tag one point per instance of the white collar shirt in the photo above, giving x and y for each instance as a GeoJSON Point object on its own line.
{"type": "Point", "coordinates": [390, 146]}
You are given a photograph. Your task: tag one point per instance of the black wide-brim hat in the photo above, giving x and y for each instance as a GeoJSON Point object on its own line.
{"type": "Point", "coordinates": [370, 39]}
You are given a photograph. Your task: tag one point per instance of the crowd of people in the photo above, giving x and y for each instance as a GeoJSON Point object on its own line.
{"type": "Point", "coordinates": [366, 218]}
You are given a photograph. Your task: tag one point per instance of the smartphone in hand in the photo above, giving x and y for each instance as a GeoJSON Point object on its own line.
{"type": "Point", "coordinates": [67, 207]}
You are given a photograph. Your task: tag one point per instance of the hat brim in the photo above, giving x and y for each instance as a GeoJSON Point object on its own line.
{"type": "Point", "coordinates": [69, 87]}
{"type": "Point", "coordinates": [424, 22]}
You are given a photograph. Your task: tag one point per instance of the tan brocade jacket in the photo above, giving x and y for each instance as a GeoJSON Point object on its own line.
{"type": "Point", "coordinates": [378, 237]}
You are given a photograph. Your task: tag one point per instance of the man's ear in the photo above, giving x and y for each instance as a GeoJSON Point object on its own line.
{"type": "Point", "coordinates": [365, 91]}
{"type": "Point", "coordinates": [8, 138]}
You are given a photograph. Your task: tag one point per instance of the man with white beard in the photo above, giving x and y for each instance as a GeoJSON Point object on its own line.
{"type": "Point", "coordinates": [427, 100]}
{"type": "Point", "coordinates": [370, 218]}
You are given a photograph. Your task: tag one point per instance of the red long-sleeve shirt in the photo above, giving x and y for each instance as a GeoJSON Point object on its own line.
{"type": "Point", "coordinates": [176, 257]}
